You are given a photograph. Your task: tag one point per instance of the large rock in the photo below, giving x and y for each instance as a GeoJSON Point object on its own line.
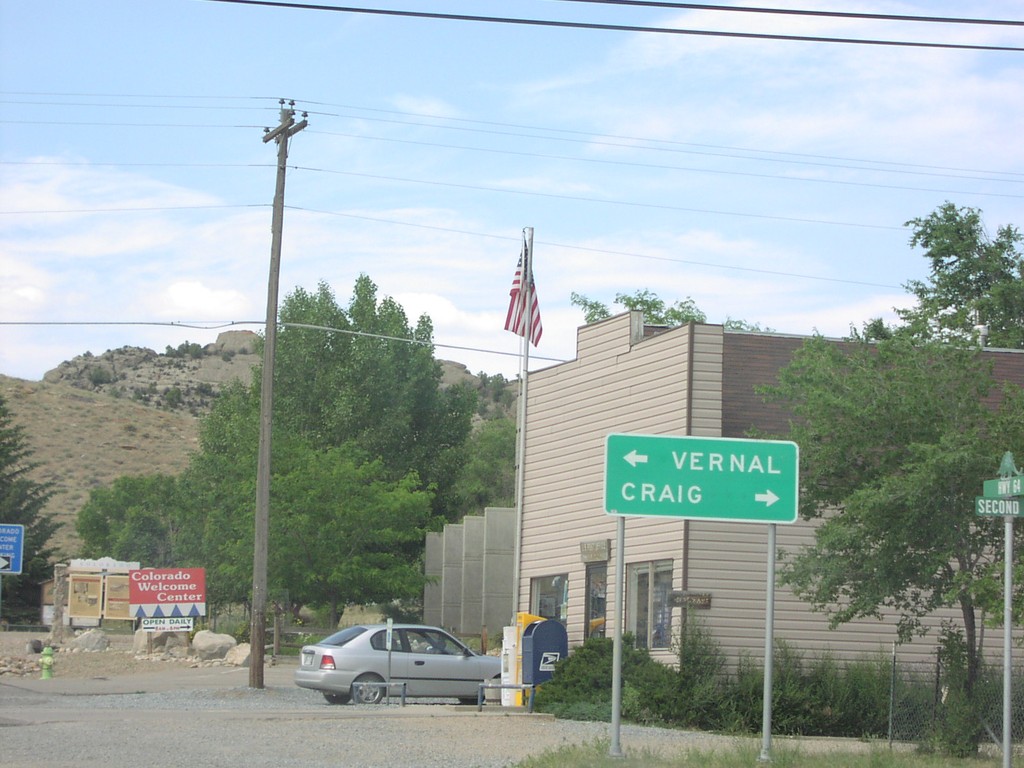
{"type": "Point", "coordinates": [239, 655]}
{"type": "Point", "coordinates": [209, 645]}
{"type": "Point", "coordinates": [90, 640]}
{"type": "Point", "coordinates": [160, 642]}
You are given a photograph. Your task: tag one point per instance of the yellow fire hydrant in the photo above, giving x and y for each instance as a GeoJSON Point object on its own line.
{"type": "Point", "coordinates": [46, 663]}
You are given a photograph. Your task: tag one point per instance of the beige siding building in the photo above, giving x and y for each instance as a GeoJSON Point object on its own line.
{"type": "Point", "coordinates": [693, 380]}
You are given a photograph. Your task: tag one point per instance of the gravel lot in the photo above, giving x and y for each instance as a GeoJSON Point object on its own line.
{"type": "Point", "coordinates": [109, 708]}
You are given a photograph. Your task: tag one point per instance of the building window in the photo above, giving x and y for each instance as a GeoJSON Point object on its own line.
{"type": "Point", "coordinates": [549, 597]}
{"type": "Point", "coordinates": [648, 612]}
{"type": "Point", "coordinates": [597, 590]}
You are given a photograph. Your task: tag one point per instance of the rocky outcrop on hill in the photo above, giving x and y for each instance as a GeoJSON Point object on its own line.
{"type": "Point", "coordinates": [187, 378]}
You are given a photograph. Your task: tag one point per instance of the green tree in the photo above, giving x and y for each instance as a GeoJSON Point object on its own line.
{"type": "Point", "coordinates": [359, 414]}
{"type": "Point", "coordinates": [375, 383]}
{"type": "Point", "coordinates": [895, 439]}
{"type": "Point", "coordinates": [22, 501]}
{"type": "Point", "coordinates": [344, 532]}
{"type": "Point", "coordinates": [488, 478]}
{"type": "Point", "coordinates": [974, 279]}
{"type": "Point", "coordinates": [136, 518]}
{"type": "Point", "coordinates": [656, 311]}
{"type": "Point", "coordinates": [218, 495]}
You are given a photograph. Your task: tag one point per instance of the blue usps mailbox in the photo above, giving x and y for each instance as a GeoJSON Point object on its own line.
{"type": "Point", "coordinates": [545, 643]}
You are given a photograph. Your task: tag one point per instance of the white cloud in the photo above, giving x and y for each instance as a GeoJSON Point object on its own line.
{"type": "Point", "coordinates": [192, 299]}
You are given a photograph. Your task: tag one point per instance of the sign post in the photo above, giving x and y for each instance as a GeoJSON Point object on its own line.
{"type": "Point", "coordinates": [1002, 498]}
{"type": "Point", "coordinates": [701, 478]}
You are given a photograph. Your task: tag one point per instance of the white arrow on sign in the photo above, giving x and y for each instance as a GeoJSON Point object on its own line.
{"type": "Point", "coordinates": [5, 563]}
{"type": "Point", "coordinates": [768, 497]}
{"type": "Point", "coordinates": [635, 458]}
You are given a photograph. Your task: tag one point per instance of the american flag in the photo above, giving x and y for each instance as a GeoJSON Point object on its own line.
{"type": "Point", "coordinates": [516, 318]}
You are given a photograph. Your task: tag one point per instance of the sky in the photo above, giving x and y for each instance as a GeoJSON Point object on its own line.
{"type": "Point", "coordinates": [769, 181]}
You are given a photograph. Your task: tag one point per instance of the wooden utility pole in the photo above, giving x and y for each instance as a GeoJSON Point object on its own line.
{"type": "Point", "coordinates": [258, 629]}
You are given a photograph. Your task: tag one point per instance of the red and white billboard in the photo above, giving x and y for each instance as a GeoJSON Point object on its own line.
{"type": "Point", "coordinates": [167, 592]}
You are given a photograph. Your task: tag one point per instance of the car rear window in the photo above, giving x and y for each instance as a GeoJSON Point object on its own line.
{"type": "Point", "coordinates": [344, 636]}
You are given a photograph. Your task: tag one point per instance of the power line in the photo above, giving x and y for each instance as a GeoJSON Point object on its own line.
{"type": "Point", "coordinates": [107, 124]}
{"type": "Point", "coordinates": [797, 12]}
{"type": "Point", "coordinates": [573, 247]}
{"type": "Point", "coordinates": [108, 105]}
{"type": "Point", "coordinates": [692, 169]}
{"type": "Point", "coordinates": [587, 137]}
{"type": "Point", "coordinates": [792, 158]}
{"type": "Point", "coordinates": [471, 233]}
{"type": "Point", "coordinates": [582, 199]}
{"type": "Point", "coordinates": [619, 27]}
{"type": "Point", "coordinates": [139, 209]}
{"type": "Point", "coordinates": [589, 160]}
{"type": "Point", "coordinates": [213, 325]}
{"type": "Point", "coordinates": [590, 136]}
{"type": "Point", "coordinates": [103, 164]}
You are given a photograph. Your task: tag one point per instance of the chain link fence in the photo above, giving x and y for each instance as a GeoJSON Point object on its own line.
{"type": "Point", "coordinates": [926, 708]}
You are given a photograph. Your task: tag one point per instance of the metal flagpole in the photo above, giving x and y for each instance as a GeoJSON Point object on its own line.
{"type": "Point", "coordinates": [526, 288]}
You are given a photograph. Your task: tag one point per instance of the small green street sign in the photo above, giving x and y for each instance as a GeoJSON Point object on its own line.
{"type": "Point", "coordinates": [985, 506]}
{"type": "Point", "coordinates": [702, 478]}
{"type": "Point", "coordinates": [1004, 486]}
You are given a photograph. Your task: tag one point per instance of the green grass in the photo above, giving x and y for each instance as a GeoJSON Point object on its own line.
{"type": "Point", "coordinates": [596, 755]}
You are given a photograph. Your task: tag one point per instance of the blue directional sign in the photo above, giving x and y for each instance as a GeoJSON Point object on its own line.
{"type": "Point", "coordinates": [12, 548]}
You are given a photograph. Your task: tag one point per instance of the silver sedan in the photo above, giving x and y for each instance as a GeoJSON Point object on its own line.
{"type": "Point", "coordinates": [356, 663]}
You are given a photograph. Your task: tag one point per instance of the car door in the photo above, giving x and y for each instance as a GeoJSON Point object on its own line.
{"type": "Point", "coordinates": [393, 667]}
{"type": "Point", "coordinates": [439, 666]}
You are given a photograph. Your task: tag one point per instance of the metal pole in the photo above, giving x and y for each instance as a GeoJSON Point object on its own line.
{"type": "Point", "coordinates": [615, 750]}
{"type": "Point", "coordinates": [1007, 642]}
{"type": "Point", "coordinates": [769, 653]}
{"type": "Point", "coordinates": [525, 288]}
{"type": "Point", "coordinates": [892, 692]}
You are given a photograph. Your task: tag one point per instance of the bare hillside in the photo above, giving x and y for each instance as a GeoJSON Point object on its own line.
{"type": "Point", "coordinates": [82, 440]}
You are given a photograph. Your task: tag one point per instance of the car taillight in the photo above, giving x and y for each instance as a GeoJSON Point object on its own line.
{"type": "Point", "coordinates": [327, 662]}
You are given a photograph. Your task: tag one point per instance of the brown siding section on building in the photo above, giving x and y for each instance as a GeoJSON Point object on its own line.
{"type": "Point", "coordinates": [752, 360]}
{"type": "Point", "coordinates": [749, 361]}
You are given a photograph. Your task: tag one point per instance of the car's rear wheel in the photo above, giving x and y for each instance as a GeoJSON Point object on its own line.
{"type": "Point", "coordinates": [336, 698]}
{"type": "Point", "coordinates": [368, 694]}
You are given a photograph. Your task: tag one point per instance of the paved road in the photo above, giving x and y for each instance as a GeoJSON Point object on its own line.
{"type": "Point", "coordinates": [210, 717]}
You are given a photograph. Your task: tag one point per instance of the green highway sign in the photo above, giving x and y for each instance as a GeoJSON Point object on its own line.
{"type": "Point", "coordinates": [1004, 486]}
{"type": "Point", "coordinates": [701, 478]}
{"type": "Point", "coordinates": [985, 506]}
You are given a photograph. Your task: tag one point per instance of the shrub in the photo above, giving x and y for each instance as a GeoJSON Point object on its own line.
{"type": "Point", "coordinates": [173, 397]}
{"type": "Point", "coordinates": [188, 349]}
{"type": "Point", "coordinates": [582, 684]}
{"type": "Point", "coordinates": [818, 696]}
{"type": "Point", "coordinates": [703, 701]}
{"type": "Point", "coordinates": [99, 376]}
